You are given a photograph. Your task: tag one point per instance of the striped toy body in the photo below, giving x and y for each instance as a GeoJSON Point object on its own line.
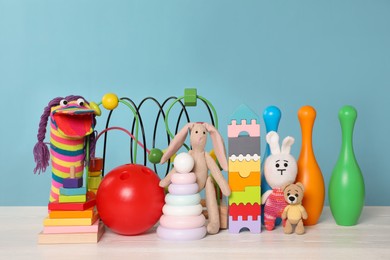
{"type": "Point", "coordinates": [65, 153]}
{"type": "Point", "coordinates": [273, 208]}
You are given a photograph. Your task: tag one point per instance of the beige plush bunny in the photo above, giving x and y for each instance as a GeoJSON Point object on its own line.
{"type": "Point", "coordinates": [203, 163]}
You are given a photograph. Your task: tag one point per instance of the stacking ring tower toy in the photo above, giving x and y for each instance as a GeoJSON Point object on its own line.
{"type": "Point", "coordinates": [182, 218]}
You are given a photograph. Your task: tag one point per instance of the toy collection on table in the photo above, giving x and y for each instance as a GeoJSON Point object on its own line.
{"type": "Point", "coordinates": [131, 198]}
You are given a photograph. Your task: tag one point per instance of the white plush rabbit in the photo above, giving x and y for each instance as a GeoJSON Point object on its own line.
{"type": "Point", "coordinates": [280, 169]}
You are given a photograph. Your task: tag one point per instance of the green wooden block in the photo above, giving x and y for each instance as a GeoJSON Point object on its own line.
{"type": "Point", "coordinates": [73, 198]}
{"type": "Point", "coordinates": [190, 97]}
{"type": "Point", "coordinates": [252, 195]}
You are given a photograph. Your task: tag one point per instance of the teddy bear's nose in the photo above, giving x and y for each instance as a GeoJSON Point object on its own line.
{"type": "Point", "coordinates": [291, 198]}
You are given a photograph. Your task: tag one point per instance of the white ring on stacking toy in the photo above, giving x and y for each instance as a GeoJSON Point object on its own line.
{"type": "Point", "coordinates": [183, 189]}
{"type": "Point", "coordinates": [182, 200]}
{"type": "Point", "coordinates": [193, 210]}
{"type": "Point", "coordinates": [183, 178]}
{"type": "Point", "coordinates": [181, 234]}
{"type": "Point", "coordinates": [183, 222]}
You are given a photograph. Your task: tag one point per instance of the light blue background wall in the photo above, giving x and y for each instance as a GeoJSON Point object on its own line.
{"type": "Point", "coordinates": [285, 53]}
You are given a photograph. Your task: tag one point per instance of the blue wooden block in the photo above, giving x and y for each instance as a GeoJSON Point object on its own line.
{"type": "Point", "coordinates": [73, 183]}
{"type": "Point", "coordinates": [73, 191]}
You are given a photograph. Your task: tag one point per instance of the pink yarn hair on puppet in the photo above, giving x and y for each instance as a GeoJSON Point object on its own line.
{"type": "Point", "coordinates": [203, 163]}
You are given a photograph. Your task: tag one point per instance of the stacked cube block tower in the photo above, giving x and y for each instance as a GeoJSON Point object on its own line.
{"type": "Point", "coordinates": [73, 218]}
{"type": "Point", "coordinates": [244, 171]}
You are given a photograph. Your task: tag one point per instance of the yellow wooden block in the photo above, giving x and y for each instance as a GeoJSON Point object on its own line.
{"type": "Point", "coordinates": [72, 213]}
{"type": "Point", "coordinates": [244, 167]}
{"type": "Point", "coordinates": [70, 221]}
{"type": "Point", "coordinates": [238, 183]}
{"type": "Point", "coordinates": [250, 195]}
{"type": "Point", "coordinates": [94, 182]}
{"type": "Point", "coordinates": [72, 198]}
{"type": "Point", "coordinates": [94, 174]}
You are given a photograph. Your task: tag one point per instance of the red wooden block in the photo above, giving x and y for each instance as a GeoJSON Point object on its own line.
{"type": "Point", "coordinates": [245, 210]}
{"type": "Point", "coordinates": [72, 206]}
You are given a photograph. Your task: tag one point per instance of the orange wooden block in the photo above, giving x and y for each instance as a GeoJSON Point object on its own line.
{"type": "Point", "coordinates": [238, 183]}
{"type": "Point", "coordinates": [72, 214]}
{"type": "Point", "coordinates": [70, 221]}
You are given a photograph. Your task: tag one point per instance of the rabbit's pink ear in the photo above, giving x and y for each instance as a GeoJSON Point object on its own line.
{"type": "Point", "coordinates": [176, 143]}
{"type": "Point", "coordinates": [286, 145]}
{"type": "Point", "coordinates": [218, 144]}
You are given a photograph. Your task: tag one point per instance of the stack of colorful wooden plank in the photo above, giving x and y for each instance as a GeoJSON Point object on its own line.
{"type": "Point", "coordinates": [73, 218]}
{"type": "Point", "coordinates": [244, 171]}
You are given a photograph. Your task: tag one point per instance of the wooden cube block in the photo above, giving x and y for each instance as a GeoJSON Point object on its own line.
{"type": "Point", "coordinates": [73, 183]}
{"type": "Point", "coordinates": [73, 191]}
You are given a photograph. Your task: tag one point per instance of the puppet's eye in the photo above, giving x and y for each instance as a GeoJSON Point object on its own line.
{"type": "Point", "coordinates": [285, 165]}
{"type": "Point", "coordinates": [288, 194]}
{"type": "Point", "coordinates": [80, 102]}
{"type": "Point", "coordinates": [277, 165]}
{"type": "Point", "coordinates": [63, 102]}
{"type": "Point", "coordinates": [296, 195]}
{"type": "Point", "coordinates": [196, 132]}
{"type": "Point", "coordinates": [204, 132]}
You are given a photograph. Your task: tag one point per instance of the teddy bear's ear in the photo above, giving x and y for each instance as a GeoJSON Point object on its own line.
{"type": "Point", "coordinates": [285, 186]}
{"type": "Point", "coordinates": [300, 185]}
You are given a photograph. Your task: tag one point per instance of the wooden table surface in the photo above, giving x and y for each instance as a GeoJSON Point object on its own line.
{"type": "Point", "coordinates": [370, 239]}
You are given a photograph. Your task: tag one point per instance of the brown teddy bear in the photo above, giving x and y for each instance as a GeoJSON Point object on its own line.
{"type": "Point", "coordinates": [294, 212]}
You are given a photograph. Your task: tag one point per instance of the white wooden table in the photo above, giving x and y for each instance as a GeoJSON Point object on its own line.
{"type": "Point", "coordinates": [370, 239]}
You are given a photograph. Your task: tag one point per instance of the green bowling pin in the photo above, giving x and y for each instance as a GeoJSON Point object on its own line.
{"type": "Point", "coordinates": [346, 187]}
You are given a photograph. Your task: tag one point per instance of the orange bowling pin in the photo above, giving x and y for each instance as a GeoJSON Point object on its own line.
{"type": "Point", "coordinates": [309, 173]}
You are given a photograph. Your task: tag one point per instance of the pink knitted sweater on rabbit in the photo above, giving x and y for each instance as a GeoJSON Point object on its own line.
{"type": "Point", "coordinates": [274, 207]}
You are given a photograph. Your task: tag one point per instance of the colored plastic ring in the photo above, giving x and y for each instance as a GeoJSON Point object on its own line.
{"type": "Point", "coordinates": [183, 189]}
{"type": "Point", "coordinates": [182, 200]}
{"type": "Point", "coordinates": [183, 222]}
{"type": "Point", "coordinates": [181, 234]}
{"type": "Point", "coordinates": [193, 210]}
{"type": "Point", "coordinates": [96, 164]}
{"type": "Point", "coordinates": [183, 178]}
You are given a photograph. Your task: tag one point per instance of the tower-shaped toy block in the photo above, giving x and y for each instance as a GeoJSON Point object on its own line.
{"type": "Point", "coordinates": [244, 122]}
{"type": "Point", "coordinates": [244, 145]}
{"type": "Point", "coordinates": [254, 226]}
{"type": "Point", "coordinates": [250, 195]}
{"type": "Point", "coordinates": [235, 128]}
{"type": "Point", "coordinates": [245, 211]}
{"type": "Point", "coordinates": [238, 183]}
{"type": "Point", "coordinates": [244, 165]}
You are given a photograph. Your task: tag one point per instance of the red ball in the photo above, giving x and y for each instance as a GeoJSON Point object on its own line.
{"type": "Point", "coordinates": [129, 199]}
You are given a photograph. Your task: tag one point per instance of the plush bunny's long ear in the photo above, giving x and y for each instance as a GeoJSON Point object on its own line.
{"type": "Point", "coordinates": [218, 144]}
{"type": "Point", "coordinates": [286, 145]}
{"type": "Point", "coordinates": [273, 141]}
{"type": "Point", "coordinates": [176, 143]}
